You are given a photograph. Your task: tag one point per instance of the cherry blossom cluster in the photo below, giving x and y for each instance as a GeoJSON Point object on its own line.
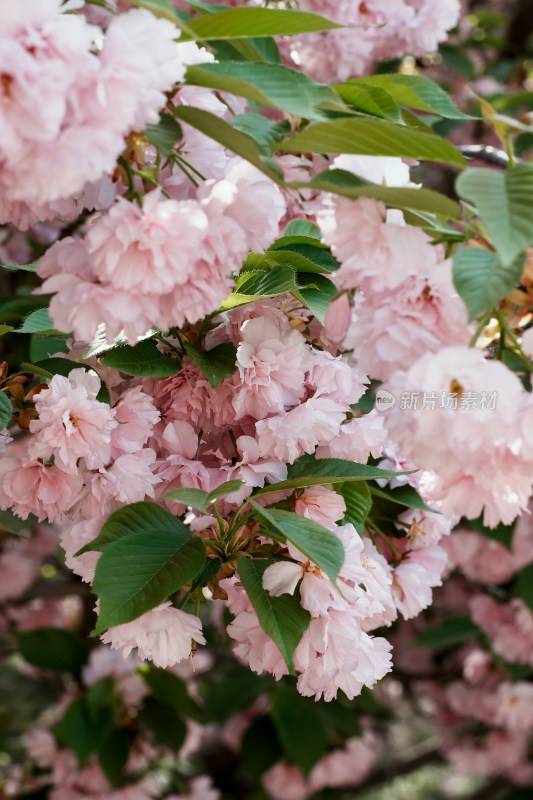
{"type": "Point", "coordinates": [385, 29]}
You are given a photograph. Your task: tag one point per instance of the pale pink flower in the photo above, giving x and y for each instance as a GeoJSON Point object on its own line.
{"type": "Point", "coordinates": [272, 364]}
{"type": "Point", "coordinates": [298, 431]}
{"type": "Point", "coordinates": [150, 250]}
{"type": "Point", "coordinates": [422, 528]}
{"type": "Point", "coordinates": [335, 378]}
{"type": "Point", "coordinates": [254, 648]}
{"type": "Point", "coordinates": [31, 487]}
{"type": "Point", "coordinates": [73, 538]}
{"type": "Point", "coordinates": [474, 453]}
{"type": "Point", "coordinates": [414, 577]}
{"type": "Point", "coordinates": [128, 480]}
{"type": "Point", "coordinates": [18, 573]}
{"type": "Point", "coordinates": [72, 424]}
{"type": "Point", "coordinates": [41, 746]}
{"type": "Point", "coordinates": [335, 653]}
{"type": "Point", "coordinates": [136, 415]}
{"type": "Point", "coordinates": [286, 782]}
{"type": "Point", "coordinates": [391, 28]}
{"type": "Point", "coordinates": [515, 706]}
{"type": "Point", "coordinates": [357, 439]}
{"type": "Point", "coordinates": [163, 635]}
{"type": "Point", "coordinates": [321, 505]}
{"type": "Point", "coordinates": [253, 469]}
{"type": "Point", "coordinates": [347, 766]}
{"type": "Point", "coordinates": [509, 626]}
{"type": "Point", "coordinates": [422, 315]}
{"type": "Point", "coordinates": [338, 318]}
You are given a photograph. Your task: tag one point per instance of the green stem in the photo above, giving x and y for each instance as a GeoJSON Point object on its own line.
{"type": "Point", "coordinates": [386, 538]}
{"type": "Point", "coordinates": [510, 151]}
{"type": "Point", "coordinates": [519, 353]}
{"type": "Point", "coordinates": [168, 344]}
{"type": "Point", "coordinates": [131, 180]}
{"type": "Point", "coordinates": [482, 324]}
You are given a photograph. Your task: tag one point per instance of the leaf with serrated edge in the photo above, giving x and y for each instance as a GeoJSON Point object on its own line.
{"type": "Point", "coordinates": [316, 542]}
{"type": "Point", "coordinates": [138, 572]}
{"type": "Point", "coordinates": [324, 471]}
{"type": "Point", "coordinates": [134, 518]}
{"type": "Point", "coordinates": [282, 618]}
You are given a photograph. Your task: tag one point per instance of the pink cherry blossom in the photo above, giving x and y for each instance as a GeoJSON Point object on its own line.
{"type": "Point", "coordinates": [321, 505]}
{"type": "Point", "coordinates": [136, 415]}
{"type": "Point", "coordinates": [298, 431]}
{"type": "Point", "coordinates": [31, 487]}
{"type": "Point", "coordinates": [286, 782]}
{"type": "Point", "coordinates": [254, 647]}
{"type": "Point", "coordinates": [162, 635]}
{"type": "Point", "coordinates": [150, 250]}
{"type": "Point", "coordinates": [72, 424]}
{"type": "Point", "coordinates": [272, 365]}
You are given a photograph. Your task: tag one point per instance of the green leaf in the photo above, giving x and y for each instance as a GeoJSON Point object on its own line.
{"type": "Point", "coordinates": [217, 364]}
{"type": "Point", "coordinates": [298, 727]}
{"type": "Point", "coordinates": [414, 91]}
{"type": "Point", "coordinates": [234, 692]}
{"type": "Point", "coordinates": [372, 137]}
{"type": "Point", "coordinates": [317, 298]}
{"type": "Point", "coordinates": [339, 181]}
{"type": "Point", "coordinates": [253, 286]}
{"type": "Point", "coordinates": [24, 267]}
{"type": "Point", "coordinates": [358, 503]}
{"type": "Point", "coordinates": [170, 690]}
{"type": "Point", "coordinates": [452, 631]}
{"type": "Point", "coordinates": [404, 496]}
{"type": "Point", "coordinates": [6, 410]}
{"type": "Point", "coordinates": [37, 322]}
{"type": "Point", "coordinates": [165, 134]}
{"type": "Point", "coordinates": [195, 498]}
{"type": "Point", "coordinates": [167, 728]}
{"type": "Point", "coordinates": [504, 201]}
{"type": "Point", "coordinates": [305, 257]}
{"type": "Point", "coordinates": [260, 128]}
{"type": "Point", "coordinates": [135, 518]}
{"type": "Point", "coordinates": [370, 100]}
{"type": "Point", "coordinates": [89, 719]}
{"type": "Point", "coordinates": [481, 279]}
{"type": "Point", "coordinates": [282, 618]}
{"type": "Point", "coordinates": [143, 360]}
{"type": "Point", "coordinates": [248, 22]}
{"type": "Point", "coordinates": [44, 346]}
{"type": "Point", "coordinates": [323, 471]}
{"type": "Point", "coordinates": [48, 367]}
{"type": "Point", "coordinates": [313, 540]}
{"type": "Point", "coordinates": [223, 133]}
{"type": "Point", "coordinates": [271, 85]}
{"type": "Point", "coordinates": [255, 48]}
{"type": "Point", "coordinates": [113, 752]}
{"type": "Point", "coordinates": [138, 572]}
{"type": "Point", "coordinates": [228, 487]}
{"type": "Point", "coordinates": [260, 748]}
{"type": "Point", "coordinates": [200, 500]}
{"type": "Point", "coordinates": [524, 586]}
{"type": "Point", "coordinates": [52, 649]}
{"type": "Point", "coordinates": [302, 227]}
{"type": "Point", "coordinates": [78, 731]}
{"type": "Point", "coordinates": [5, 329]}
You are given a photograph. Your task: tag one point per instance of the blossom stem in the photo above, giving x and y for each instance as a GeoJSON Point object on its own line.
{"type": "Point", "coordinates": [482, 323]}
